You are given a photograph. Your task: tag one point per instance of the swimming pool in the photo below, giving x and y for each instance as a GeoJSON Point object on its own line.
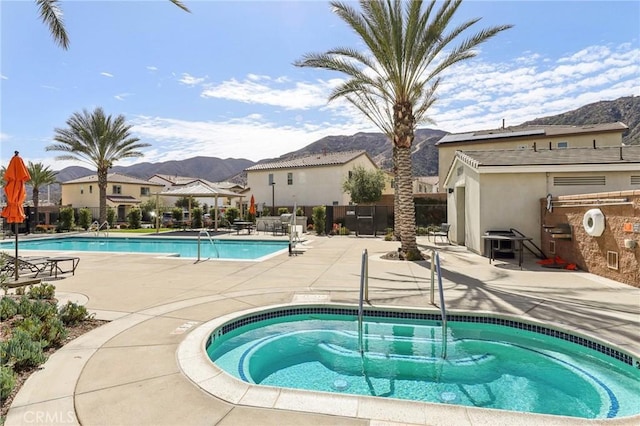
{"type": "Point", "coordinates": [492, 362]}
{"type": "Point", "coordinates": [182, 247]}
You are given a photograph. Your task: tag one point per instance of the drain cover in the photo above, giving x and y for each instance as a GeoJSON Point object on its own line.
{"type": "Point", "coordinates": [340, 384]}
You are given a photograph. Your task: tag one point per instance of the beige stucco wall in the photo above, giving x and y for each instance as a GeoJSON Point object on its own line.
{"type": "Point", "coordinates": [311, 186]}
{"type": "Point", "coordinates": [446, 152]}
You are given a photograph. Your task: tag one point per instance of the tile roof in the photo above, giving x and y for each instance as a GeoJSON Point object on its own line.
{"type": "Point", "coordinates": [113, 178]}
{"type": "Point", "coordinates": [313, 160]}
{"type": "Point", "coordinates": [547, 157]}
{"type": "Point", "coordinates": [529, 131]}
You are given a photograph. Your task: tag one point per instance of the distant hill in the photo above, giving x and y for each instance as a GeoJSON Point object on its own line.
{"type": "Point", "coordinates": [626, 110]}
{"type": "Point", "coordinates": [425, 154]}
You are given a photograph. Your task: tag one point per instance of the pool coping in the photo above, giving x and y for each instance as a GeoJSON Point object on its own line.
{"type": "Point", "coordinates": [193, 361]}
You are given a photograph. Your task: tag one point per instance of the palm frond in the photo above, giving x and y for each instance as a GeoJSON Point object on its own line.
{"type": "Point", "coordinates": [180, 5]}
{"type": "Point", "coordinates": [51, 15]}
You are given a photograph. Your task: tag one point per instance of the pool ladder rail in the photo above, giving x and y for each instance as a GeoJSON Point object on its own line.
{"type": "Point", "coordinates": [96, 228]}
{"type": "Point", "coordinates": [205, 232]}
{"type": "Point", "coordinates": [364, 295]}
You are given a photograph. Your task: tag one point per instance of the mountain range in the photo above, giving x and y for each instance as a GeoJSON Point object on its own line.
{"type": "Point", "coordinates": [424, 156]}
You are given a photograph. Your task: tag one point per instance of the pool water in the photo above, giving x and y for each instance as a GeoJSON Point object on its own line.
{"type": "Point", "coordinates": [487, 365]}
{"type": "Point", "coordinates": [216, 249]}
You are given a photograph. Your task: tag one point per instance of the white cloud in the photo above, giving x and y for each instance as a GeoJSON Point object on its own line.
{"type": "Point", "coordinates": [265, 91]}
{"type": "Point", "coordinates": [106, 74]}
{"type": "Point", "coordinates": [4, 77]}
{"type": "Point", "coordinates": [122, 96]}
{"type": "Point", "coordinates": [50, 87]}
{"type": "Point", "coordinates": [152, 68]}
{"type": "Point", "coordinates": [251, 137]}
{"type": "Point", "coordinates": [190, 80]}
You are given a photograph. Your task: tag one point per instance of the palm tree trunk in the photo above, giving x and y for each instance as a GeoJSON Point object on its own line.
{"type": "Point", "coordinates": [407, 216]}
{"type": "Point", "coordinates": [36, 202]}
{"type": "Point", "coordinates": [403, 135]}
{"type": "Point", "coordinates": [102, 186]}
{"type": "Point", "coordinates": [396, 204]}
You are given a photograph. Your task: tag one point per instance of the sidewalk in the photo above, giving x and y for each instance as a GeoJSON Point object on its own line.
{"type": "Point", "coordinates": [126, 372]}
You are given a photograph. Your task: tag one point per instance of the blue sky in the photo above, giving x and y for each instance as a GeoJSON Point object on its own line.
{"type": "Point", "coordinates": [220, 82]}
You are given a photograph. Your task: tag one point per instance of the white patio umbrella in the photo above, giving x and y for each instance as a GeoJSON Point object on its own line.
{"type": "Point", "coordinates": [203, 190]}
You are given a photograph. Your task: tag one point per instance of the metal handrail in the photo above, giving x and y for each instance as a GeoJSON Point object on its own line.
{"type": "Point", "coordinates": [443, 311]}
{"type": "Point", "coordinates": [96, 227]}
{"type": "Point", "coordinates": [364, 295]}
{"type": "Point", "coordinates": [205, 232]}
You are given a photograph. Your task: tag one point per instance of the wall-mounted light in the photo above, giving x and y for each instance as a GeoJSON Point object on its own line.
{"type": "Point", "coordinates": [450, 190]}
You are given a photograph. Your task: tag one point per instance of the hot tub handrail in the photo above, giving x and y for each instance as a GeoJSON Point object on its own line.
{"type": "Point", "coordinates": [364, 294]}
{"type": "Point", "coordinates": [443, 311]}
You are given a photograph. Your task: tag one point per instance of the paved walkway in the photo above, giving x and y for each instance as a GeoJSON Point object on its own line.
{"type": "Point", "coordinates": [127, 372]}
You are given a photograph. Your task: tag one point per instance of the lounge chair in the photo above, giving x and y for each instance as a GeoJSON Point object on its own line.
{"type": "Point", "coordinates": [34, 265]}
{"type": "Point", "coordinates": [442, 232]}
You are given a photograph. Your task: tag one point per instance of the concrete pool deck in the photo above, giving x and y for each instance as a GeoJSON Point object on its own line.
{"type": "Point", "coordinates": [127, 372]}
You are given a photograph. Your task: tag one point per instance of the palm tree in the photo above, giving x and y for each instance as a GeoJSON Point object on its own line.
{"type": "Point", "coordinates": [51, 15]}
{"type": "Point", "coordinates": [394, 84]}
{"type": "Point", "coordinates": [40, 176]}
{"type": "Point", "coordinates": [98, 140]}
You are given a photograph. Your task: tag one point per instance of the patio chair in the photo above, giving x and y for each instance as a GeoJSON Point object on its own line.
{"type": "Point", "coordinates": [442, 232]}
{"type": "Point", "coordinates": [33, 264]}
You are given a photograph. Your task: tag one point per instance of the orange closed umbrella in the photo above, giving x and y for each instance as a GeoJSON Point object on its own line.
{"type": "Point", "coordinates": [252, 206]}
{"type": "Point", "coordinates": [15, 176]}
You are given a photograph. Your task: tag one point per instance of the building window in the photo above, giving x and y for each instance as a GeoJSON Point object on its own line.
{"type": "Point", "coordinates": [81, 190]}
{"type": "Point", "coordinates": [117, 190]}
{"type": "Point", "coordinates": [289, 178]}
{"type": "Point", "coordinates": [635, 180]}
{"type": "Point", "coordinates": [145, 191]}
{"type": "Point", "coordinates": [612, 260]}
{"type": "Point", "coordinates": [90, 189]}
{"type": "Point", "coordinates": [563, 145]}
{"type": "Point", "coordinates": [271, 179]}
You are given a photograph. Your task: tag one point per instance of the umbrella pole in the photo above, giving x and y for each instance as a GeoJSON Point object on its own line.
{"type": "Point", "coordinates": [15, 265]}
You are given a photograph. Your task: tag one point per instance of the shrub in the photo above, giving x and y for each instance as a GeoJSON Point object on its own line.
{"type": "Point", "coordinates": [42, 291]}
{"type": "Point", "coordinates": [134, 218]}
{"type": "Point", "coordinates": [299, 211]}
{"type": "Point", "coordinates": [197, 218]}
{"type": "Point", "coordinates": [319, 219]}
{"type": "Point", "coordinates": [84, 218]}
{"type": "Point", "coordinates": [344, 230]}
{"type": "Point", "coordinates": [8, 308]}
{"type": "Point", "coordinates": [72, 313]}
{"type": "Point", "coordinates": [49, 331]}
{"type": "Point", "coordinates": [67, 218]}
{"type": "Point", "coordinates": [20, 352]}
{"type": "Point", "coordinates": [231, 214]}
{"type": "Point", "coordinates": [176, 214]}
{"type": "Point", "coordinates": [282, 210]}
{"type": "Point", "coordinates": [7, 382]}
{"type": "Point", "coordinates": [111, 216]}
{"type": "Point", "coordinates": [38, 308]}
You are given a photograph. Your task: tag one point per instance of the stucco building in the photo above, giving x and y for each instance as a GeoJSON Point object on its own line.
{"type": "Point", "coordinates": [123, 193]}
{"type": "Point", "coordinates": [306, 181]}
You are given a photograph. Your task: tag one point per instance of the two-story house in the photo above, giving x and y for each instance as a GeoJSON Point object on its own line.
{"type": "Point", "coordinates": [123, 192]}
{"type": "Point", "coordinates": [311, 180]}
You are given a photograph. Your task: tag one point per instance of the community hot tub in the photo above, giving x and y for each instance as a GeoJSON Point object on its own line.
{"type": "Point", "coordinates": [492, 362]}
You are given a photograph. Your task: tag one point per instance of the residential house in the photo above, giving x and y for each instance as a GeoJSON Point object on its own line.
{"type": "Point", "coordinates": [527, 137]}
{"type": "Point", "coordinates": [490, 190]}
{"type": "Point", "coordinates": [425, 184]}
{"type": "Point", "coordinates": [123, 193]}
{"type": "Point", "coordinates": [306, 181]}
